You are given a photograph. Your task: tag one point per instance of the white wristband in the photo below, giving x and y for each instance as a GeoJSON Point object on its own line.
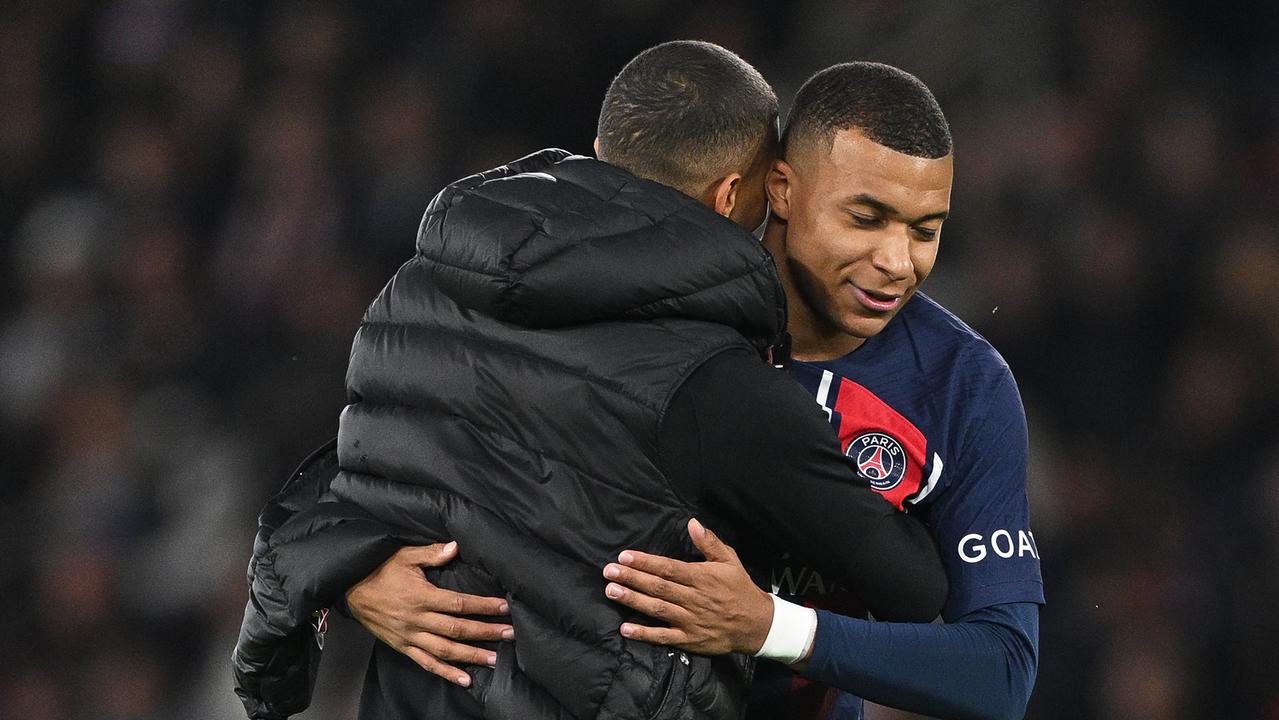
{"type": "Point", "coordinates": [791, 635]}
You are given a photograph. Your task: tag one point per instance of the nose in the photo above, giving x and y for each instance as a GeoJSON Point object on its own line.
{"type": "Point", "coordinates": [892, 253]}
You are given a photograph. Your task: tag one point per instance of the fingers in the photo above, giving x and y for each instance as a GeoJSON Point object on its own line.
{"type": "Point", "coordinates": [448, 651]}
{"type": "Point", "coordinates": [658, 636]}
{"type": "Point", "coordinates": [428, 555]}
{"type": "Point", "coordinates": [449, 602]}
{"type": "Point", "coordinates": [461, 629]}
{"type": "Point", "coordinates": [647, 583]}
{"type": "Point", "coordinates": [709, 543]}
{"type": "Point", "coordinates": [663, 567]}
{"type": "Point", "coordinates": [437, 667]}
{"type": "Point", "coordinates": [435, 655]}
{"type": "Point", "coordinates": [647, 604]}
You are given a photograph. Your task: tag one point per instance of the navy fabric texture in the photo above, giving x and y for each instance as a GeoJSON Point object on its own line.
{"type": "Point", "coordinates": [929, 414]}
{"type": "Point", "coordinates": [980, 667]}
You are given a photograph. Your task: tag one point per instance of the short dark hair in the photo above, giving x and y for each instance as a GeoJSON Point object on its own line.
{"type": "Point", "coordinates": [684, 113]}
{"type": "Point", "coordinates": [889, 105]}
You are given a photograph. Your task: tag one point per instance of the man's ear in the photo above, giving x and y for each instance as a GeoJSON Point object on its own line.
{"type": "Point", "coordinates": [597, 146]}
{"type": "Point", "coordinates": [721, 196]}
{"type": "Point", "coordinates": [778, 184]}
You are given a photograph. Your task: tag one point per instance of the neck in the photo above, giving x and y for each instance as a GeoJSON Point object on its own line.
{"type": "Point", "coordinates": [813, 337]}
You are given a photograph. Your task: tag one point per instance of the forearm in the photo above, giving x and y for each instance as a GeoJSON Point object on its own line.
{"type": "Point", "coordinates": [982, 666]}
{"type": "Point", "coordinates": [779, 474]}
{"type": "Point", "coordinates": [900, 576]}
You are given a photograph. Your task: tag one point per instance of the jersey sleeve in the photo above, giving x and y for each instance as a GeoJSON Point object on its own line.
{"type": "Point", "coordinates": [982, 521]}
{"type": "Point", "coordinates": [981, 666]}
{"type": "Point", "coordinates": [750, 445]}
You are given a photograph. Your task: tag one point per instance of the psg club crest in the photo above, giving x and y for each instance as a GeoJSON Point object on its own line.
{"type": "Point", "coordinates": [879, 458]}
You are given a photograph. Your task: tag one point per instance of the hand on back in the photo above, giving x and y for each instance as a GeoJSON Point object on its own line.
{"type": "Point", "coordinates": [711, 607]}
{"type": "Point", "coordinates": [401, 608]}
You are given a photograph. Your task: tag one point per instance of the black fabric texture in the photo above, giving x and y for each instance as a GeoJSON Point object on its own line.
{"type": "Point", "coordinates": [506, 390]}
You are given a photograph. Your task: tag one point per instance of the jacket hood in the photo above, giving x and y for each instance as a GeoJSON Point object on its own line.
{"type": "Point", "coordinates": [555, 239]}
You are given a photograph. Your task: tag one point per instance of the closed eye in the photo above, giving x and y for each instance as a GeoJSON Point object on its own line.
{"type": "Point", "coordinates": [864, 220]}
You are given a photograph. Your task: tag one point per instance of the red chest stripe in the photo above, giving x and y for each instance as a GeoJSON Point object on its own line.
{"type": "Point", "coordinates": [861, 412]}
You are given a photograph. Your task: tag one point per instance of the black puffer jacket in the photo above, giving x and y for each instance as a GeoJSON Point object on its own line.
{"type": "Point", "coordinates": [507, 390]}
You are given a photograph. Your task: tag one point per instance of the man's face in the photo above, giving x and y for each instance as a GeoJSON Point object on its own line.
{"type": "Point", "coordinates": [862, 228]}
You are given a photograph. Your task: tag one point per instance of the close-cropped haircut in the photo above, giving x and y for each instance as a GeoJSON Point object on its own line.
{"type": "Point", "coordinates": [888, 105]}
{"type": "Point", "coordinates": [685, 113]}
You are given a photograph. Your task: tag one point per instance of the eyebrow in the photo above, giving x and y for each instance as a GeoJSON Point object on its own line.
{"type": "Point", "coordinates": [886, 209]}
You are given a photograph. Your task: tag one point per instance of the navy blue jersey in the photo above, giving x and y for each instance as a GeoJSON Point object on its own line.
{"type": "Point", "coordinates": [929, 415]}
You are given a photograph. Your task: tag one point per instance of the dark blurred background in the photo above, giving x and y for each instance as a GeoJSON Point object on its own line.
{"type": "Point", "coordinates": [197, 199]}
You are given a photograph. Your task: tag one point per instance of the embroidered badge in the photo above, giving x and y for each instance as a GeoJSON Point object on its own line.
{"type": "Point", "coordinates": [879, 458]}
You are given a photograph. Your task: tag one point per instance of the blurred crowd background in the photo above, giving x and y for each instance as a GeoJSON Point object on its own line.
{"type": "Point", "coordinates": [197, 199]}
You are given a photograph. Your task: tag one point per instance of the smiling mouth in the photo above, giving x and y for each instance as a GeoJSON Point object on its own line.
{"type": "Point", "coordinates": [876, 301]}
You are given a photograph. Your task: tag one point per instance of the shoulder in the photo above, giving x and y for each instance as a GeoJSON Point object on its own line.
{"type": "Point", "coordinates": [951, 349]}
{"type": "Point", "coordinates": [734, 418]}
{"type": "Point", "coordinates": [946, 334]}
{"type": "Point", "coordinates": [738, 378]}
{"type": "Point", "coordinates": [978, 383]}
{"type": "Point", "coordinates": [743, 396]}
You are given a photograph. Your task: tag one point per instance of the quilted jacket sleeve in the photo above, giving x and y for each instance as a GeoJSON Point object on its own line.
{"type": "Point", "coordinates": [308, 551]}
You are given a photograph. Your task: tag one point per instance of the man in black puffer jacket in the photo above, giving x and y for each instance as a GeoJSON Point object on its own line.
{"type": "Point", "coordinates": [565, 369]}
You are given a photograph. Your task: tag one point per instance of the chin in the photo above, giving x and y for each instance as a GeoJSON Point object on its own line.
{"type": "Point", "coordinates": [864, 327]}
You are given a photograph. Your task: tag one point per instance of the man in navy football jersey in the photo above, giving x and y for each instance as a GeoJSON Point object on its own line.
{"type": "Point", "coordinates": [926, 411]}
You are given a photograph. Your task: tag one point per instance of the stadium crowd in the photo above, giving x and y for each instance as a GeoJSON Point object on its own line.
{"type": "Point", "coordinates": [198, 198]}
